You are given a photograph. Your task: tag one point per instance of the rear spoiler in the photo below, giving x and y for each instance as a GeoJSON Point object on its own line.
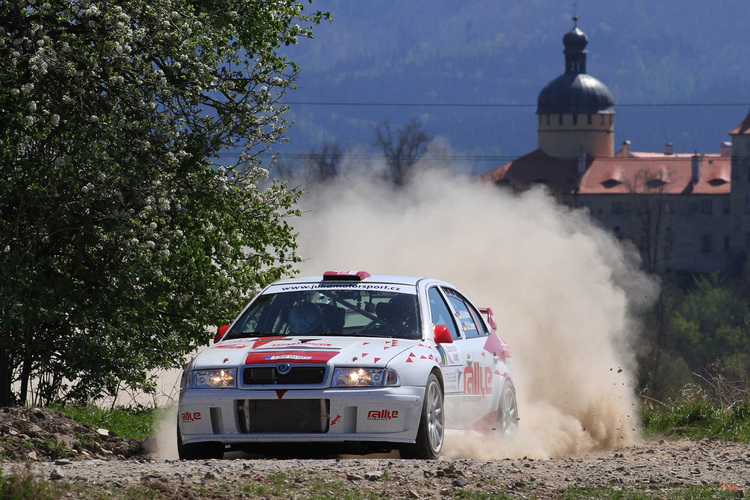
{"type": "Point", "coordinates": [489, 316]}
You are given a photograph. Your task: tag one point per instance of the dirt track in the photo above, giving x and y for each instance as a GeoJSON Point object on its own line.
{"type": "Point", "coordinates": [660, 466]}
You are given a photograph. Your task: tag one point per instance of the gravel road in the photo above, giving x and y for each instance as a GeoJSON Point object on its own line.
{"type": "Point", "coordinates": [660, 466]}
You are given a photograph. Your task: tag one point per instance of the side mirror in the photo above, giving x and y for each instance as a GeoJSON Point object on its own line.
{"type": "Point", "coordinates": [442, 334]}
{"type": "Point", "coordinates": [220, 333]}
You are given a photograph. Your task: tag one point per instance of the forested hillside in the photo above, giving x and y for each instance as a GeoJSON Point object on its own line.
{"type": "Point", "coordinates": [494, 57]}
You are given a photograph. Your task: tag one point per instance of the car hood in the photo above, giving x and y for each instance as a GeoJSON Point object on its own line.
{"type": "Point", "coordinates": [341, 351]}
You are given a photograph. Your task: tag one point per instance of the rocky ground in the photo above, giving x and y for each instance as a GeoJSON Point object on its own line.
{"type": "Point", "coordinates": [79, 461]}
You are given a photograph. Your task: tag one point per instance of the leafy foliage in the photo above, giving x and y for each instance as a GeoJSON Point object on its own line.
{"type": "Point", "coordinates": [698, 333]}
{"type": "Point", "coordinates": [121, 237]}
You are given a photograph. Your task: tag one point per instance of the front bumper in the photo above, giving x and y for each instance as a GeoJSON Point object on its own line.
{"type": "Point", "coordinates": [234, 416]}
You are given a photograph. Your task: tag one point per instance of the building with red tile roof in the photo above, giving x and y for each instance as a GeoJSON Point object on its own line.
{"type": "Point", "coordinates": [688, 212]}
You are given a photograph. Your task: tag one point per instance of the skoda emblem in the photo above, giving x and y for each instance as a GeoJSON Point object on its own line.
{"type": "Point", "coordinates": [284, 368]}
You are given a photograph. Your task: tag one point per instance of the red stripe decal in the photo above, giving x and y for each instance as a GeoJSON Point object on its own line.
{"type": "Point", "coordinates": [291, 356]}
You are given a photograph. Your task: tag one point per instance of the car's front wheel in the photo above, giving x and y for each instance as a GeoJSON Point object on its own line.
{"type": "Point", "coordinates": [431, 433]}
{"type": "Point", "coordinates": [507, 411]}
{"type": "Point", "coordinates": [198, 451]}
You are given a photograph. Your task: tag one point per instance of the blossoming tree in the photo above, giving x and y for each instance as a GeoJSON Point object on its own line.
{"type": "Point", "coordinates": [123, 234]}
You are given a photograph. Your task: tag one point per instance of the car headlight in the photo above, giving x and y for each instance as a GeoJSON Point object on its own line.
{"type": "Point", "coordinates": [213, 379]}
{"type": "Point", "coordinates": [365, 377]}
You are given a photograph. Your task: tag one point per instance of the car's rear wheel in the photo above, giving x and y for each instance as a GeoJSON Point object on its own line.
{"type": "Point", "coordinates": [198, 451]}
{"type": "Point", "coordinates": [507, 411]}
{"type": "Point", "coordinates": [431, 433]}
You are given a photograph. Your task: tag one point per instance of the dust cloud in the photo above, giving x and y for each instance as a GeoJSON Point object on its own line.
{"type": "Point", "coordinates": [562, 289]}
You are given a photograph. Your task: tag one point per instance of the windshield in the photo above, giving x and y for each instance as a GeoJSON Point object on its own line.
{"type": "Point", "coordinates": [321, 312]}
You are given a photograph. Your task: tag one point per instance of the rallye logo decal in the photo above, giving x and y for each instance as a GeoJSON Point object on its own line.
{"type": "Point", "coordinates": [191, 416]}
{"type": "Point", "coordinates": [477, 379]}
{"type": "Point", "coordinates": [382, 414]}
{"type": "Point", "coordinates": [259, 358]}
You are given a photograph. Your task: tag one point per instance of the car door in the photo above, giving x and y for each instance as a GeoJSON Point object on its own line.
{"type": "Point", "coordinates": [450, 353]}
{"type": "Point", "coordinates": [477, 365]}
{"type": "Point", "coordinates": [467, 393]}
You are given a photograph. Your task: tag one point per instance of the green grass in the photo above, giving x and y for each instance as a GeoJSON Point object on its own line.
{"type": "Point", "coordinates": [25, 486]}
{"type": "Point", "coordinates": [680, 493]}
{"type": "Point", "coordinates": [125, 422]}
{"type": "Point", "coordinates": [698, 419]}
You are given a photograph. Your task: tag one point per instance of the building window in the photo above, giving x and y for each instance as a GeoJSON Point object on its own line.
{"type": "Point", "coordinates": [706, 206]}
{"type": "Point", "coordinates": [548, 117]}
{"type": "Point", "coordinates": [560, 120]}
{"type": "Point", "coordinates": [589, 119]}
{"type": "Point", "coordinates": [575, 118]}
{"type": "Point", "coordinates": [706, 246]}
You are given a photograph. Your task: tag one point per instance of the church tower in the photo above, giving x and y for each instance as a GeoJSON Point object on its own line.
{"type": "Point", "coordinates": [575, 110]}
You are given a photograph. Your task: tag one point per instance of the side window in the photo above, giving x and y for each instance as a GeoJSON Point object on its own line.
{"type": "Point", "coordinates": [440, 314]}
{"type": "Point", "coordinates": [468, 318]}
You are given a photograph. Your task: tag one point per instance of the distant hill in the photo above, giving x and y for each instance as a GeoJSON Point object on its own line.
{"type": "Point", "coordinates": [498, 55]}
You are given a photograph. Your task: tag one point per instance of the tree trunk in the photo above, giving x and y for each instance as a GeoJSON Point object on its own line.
{"type": "Point", "coordinates": [5, 393]}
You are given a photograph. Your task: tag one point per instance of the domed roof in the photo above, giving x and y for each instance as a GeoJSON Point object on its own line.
{"type": "Point", "coordinates": [575, 38]}
{"type": "Point", "coordinates": [575, 91]}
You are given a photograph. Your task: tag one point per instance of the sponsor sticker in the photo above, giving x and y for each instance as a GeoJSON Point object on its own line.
{"type": "Point", "coordinates": [382, 414]}
{"type": "Point", "coordinates": [191, 416]}
{"type": "Point", "coordinates": [377, 419]}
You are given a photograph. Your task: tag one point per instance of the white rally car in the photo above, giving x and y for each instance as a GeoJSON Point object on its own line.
{"type": "Point", "coordinates": [358, 362]}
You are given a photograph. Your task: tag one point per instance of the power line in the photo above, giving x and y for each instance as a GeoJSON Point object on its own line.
{"type": "Point", "coordinates": [373, 156]}
{"type": "Point", "coordinates": [506, 105]}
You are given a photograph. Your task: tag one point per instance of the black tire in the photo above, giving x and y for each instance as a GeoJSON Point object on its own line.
{"type": "Point", "coordinates": [507, 411]}
{"type": "Point", "coordinates": [198, 451]}
{"type": "Point", "coordinates": [431, 433]}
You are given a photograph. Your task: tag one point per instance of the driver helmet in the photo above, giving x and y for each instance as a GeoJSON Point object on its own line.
{"type": "Point", "coordinates": [402, 309]}
{"type": "Point", "coordinates": [305, 318]}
